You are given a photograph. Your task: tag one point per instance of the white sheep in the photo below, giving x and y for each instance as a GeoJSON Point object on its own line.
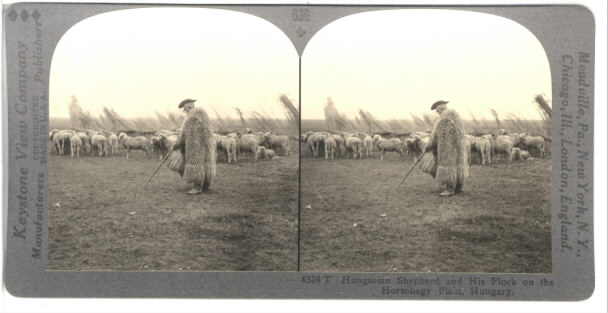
{"type": "Point", "coordinates": [353, 145]}
{"type": "Point", "coordinates": [383, 145]}
{"type": "Point", "coordinates": [330, 147]}
{"type": "Point", "coordinates": [86, 141]}
{"type": "Point", "coordinates": [416, 143]}
{"type": "Point", "coordinates": [249, 144]}
{"type": "Point", "coordinates": [503, 144]}
{"type": "Point", "coordinates": [134, 143]}
{"type": "Point", "coordinates": [75, 145]}
{"type": "Point", "coordinates": [277, 141]}
{"type": "Point", "coordinates": [340, 143]}
{"type": "Point", "coordinates": [490, 139]}
{"type": "Point", "coordinates": [166, 142]}
{"type": "Point", "coordinates": [483, 147]}
{"type": "Point", "coordinates": [315, 142]}
{"type": "Point", "coordinates": [367, 145]}
{"type": "Point", "coordinates": [532, 143]}
{"type": "Point", "coordinates": [61, 140]}
{"type": "Point", "coordinates": [113, 143]}
{"type": "Point", "coordinates": [228, 146]}
{"type": "Point", "coordinates": [100, 142]}
{"type": "Point", "coordinates": [265, 153]}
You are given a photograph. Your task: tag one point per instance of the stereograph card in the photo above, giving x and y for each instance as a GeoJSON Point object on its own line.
{"type": "Point", "coordinates": [299, 151]}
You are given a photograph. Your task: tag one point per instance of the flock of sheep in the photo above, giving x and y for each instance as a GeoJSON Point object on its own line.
{"type": "Point", "coordinates": [267, 145]}
{"type": "Point", "coordinates": [360, 145]}
{"type": "Point", "coordinates": [259, 145]}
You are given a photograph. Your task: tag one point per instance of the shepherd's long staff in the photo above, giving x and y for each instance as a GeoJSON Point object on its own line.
{"type": "Point", "coordinates": [408, 172]}
{"type": "Point", "coordinates": [161, 164]}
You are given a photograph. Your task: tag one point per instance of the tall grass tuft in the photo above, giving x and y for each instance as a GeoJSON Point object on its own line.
{"type": "Point", "coordinates": [116, 122]}
{"type": "Point", "coordinates": [498, 124]}
{"type": "Point", "coordinates": [293, 116]}
{"type": "Point", "coordinates": [335, 120]}
{"type": "Point", "coordinates": [364, 121]}
{"type": "Point", "coordinates": [546, 113]}
{"type": "Point", "coordinates": [240, 115]}
{"type": "Point", "coordinates": [79, 118]}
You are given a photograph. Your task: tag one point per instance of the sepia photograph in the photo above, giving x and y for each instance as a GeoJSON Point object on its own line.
{"type": "Point", "coordinates": [173, 143]}
{"type": "Point", "coordinates": [425, 145]}
{"type": "Point", "coordinates": [363, 152]}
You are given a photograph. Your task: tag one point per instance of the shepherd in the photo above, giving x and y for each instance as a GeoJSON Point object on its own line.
{"type": "Point", "coordinates": [194, 154]}
{"type": "Point", "coordinates": [445, 155]}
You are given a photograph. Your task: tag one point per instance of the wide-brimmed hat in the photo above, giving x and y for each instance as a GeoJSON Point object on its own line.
{"type": "Point", "coordinates": [438, 103]}
{"type": "Point", "coordinates": [181, 104]}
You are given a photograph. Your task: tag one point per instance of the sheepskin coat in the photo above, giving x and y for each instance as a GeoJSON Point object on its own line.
{"type": "Point", "coordinates": [197, 161]}
{"type": "Point", "coordinates": [449, 161]}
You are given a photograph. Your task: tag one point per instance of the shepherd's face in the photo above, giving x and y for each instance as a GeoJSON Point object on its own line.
{"type": "Point", "coordinates": [440, 108]}
{"type": "Point", "coordinates": [188, 106]}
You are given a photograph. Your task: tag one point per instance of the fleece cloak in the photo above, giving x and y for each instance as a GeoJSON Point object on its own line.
{"type": "Point", "coordinates": [195, 160]}
{"type": "Point", "coordinates": [447, 160]}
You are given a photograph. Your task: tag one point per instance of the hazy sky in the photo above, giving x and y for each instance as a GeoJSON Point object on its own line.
{"type": "Point", "coordinates": [396, 62]}
{"type": "Point", "coordinates": [144, 60]}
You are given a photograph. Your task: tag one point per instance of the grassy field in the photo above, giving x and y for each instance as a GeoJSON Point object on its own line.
{"type": "Point", "coordinates": [357, 221]}
{"type": "Point", "coordinates": [100, 217]}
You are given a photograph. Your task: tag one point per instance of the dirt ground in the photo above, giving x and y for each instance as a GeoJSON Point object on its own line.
{"type": "Point", "coordinates": [100, 217]}
{"type": "Point", "coordinates": [359, 222]}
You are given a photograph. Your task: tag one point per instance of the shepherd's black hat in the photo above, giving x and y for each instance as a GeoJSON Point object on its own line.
{"type": "Point", "coordinates": [438, 103]}
{"type": "Point", "coordinates": [181, 104]}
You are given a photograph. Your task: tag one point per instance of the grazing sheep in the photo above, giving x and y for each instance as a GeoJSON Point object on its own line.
{"type": "Point", "coordinates": [155, 143]}
{"type": "Point", "coordinates": [483, 147]}
{"type": "Point", "coordinates": [75, 145]}
{"type": "Point", "coordinates": [228, 146]}
{"type": "Point", "coordinates": [259, 137]}
{"type": "Point", "coordinates": [277, 141]}
{"type": "Point", "coordinates": [265, 153]}
{"type": "Point", "coordinates": [411, 147]}
{"type": "Point", "coordinates": [490, 139]}
{"type": "Point", "coordinates": [134, 143]}
{"type": "Point", "coordinates": [100, 142]}
{"type": "Point", "coordinates": [503, 144]}
{"type": "Point", "coordinates": [86, 141]}
{"type": "Point", "coordinates": [113, 143]}
{"type": "Point", "coordinates": [320, 143]}
{"type": "Point", "coordinates": [417, 143]}
{"type": "Point", "coordinates": [249, 144]}
{"type": "Point", "coordinates": [533, 143]}
{"type": "Point", "coordinates": [315, 143]}
{"type": "Point", "coordinates": [340, 144]}
{"type": "Point", "coordinates": [367, 145]}
{"type": "Point", "coordinates": [166, 141]}
{"type": "Point", "coordinates": [515, 152]}
{"type": "Point", "coordinates": [330, 147]}
{"type": "Point", "coordinates": [353, 145]}
{"type": "Point", "coordinates": [467, 148]}
{"type": "Point", "coordinates": [473, 142]}
{"type": "Point", "coordinates": [524, 155]}
{"type": "Point", "coordinates": [310, 143]}
{"type": "Point", "coordinates": [61, 141]}
{"type": "Point", "coordinates": [237, 140]}
{"type": "Point", "coordinates": [383, 145]}
{"type": "Point", "coordinates": [65, 140]}
{"type": "Point", "coordinates": [54, 138]}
